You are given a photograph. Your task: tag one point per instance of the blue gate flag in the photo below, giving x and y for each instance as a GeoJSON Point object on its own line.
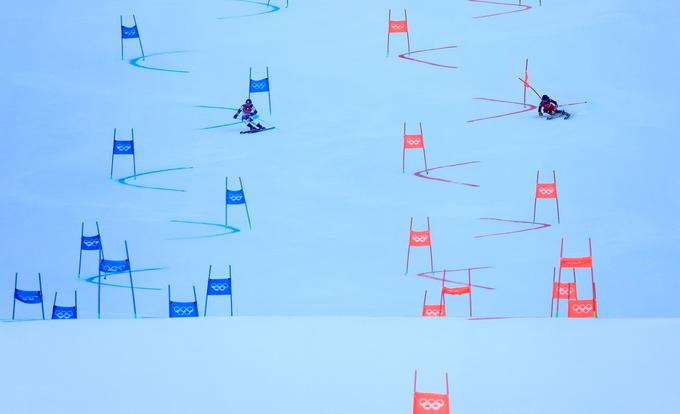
{"type": "Point", "coordinates": [114, 266]}
{"type": "Point", "coordinates": [124, 147]}
{"type": "Point", "coordinates": [236, 197]}
{"type": "Point", "coordinates": [260, 85]}
{"type": "Point", "coordinates": [219, 287]}
{"type": "Point", "coordinates": [90, 242]}
{"type": "Point", "coordinates": [129, 32]}
{"type": "Point", "coordinates": [29, 297]}
{"type": "Point", "coordinates": [183, 309]}
{"type": "Point", "coordinates": [65, 312]}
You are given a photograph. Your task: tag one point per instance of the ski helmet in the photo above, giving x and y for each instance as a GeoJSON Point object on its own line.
{"type": "Point", "coordinates": [248, 101]}
{"type": "Point", "coordinates": [545, 98]}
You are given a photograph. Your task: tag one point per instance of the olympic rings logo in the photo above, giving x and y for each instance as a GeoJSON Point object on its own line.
{"type": "Point", "coordinates": [433, 312]}
{"type": "Point", "coordinates": [114, 268]}
{"type": "Point", "coordinates": [219, 287]}
{"type": "Point", "coordinates": [123, 147]}
{"type": "Point", "coordinates": [183, 310]}
{"type": "Point", "coordinates": [33, 298]}
{"type": "Point", "coordinates": [582, 308]}
{"type": "Point", "coordinates": [431, 404]}
{"type": "Point", "coordinates": [258, 85]}
{"type": "Point", "coordinates": [90, 243]}
{"type": "Point", "coordinates": [546, 191]}
{"type": "Point", "coordinates": [413, 142]}
{"type": "Point", "coordinates": [66, 314]}
{"type": "Point", "coordinates": [420, 238]}
{"type": "Point", "coordinates": [398, 26]}
{"type": "Point", "coordinates": [237, 197]}
{"type": "Point", "coordinates": [566, 290]}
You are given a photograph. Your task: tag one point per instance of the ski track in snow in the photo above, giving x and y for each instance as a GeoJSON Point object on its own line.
{"type": "Point", "coordinates": [124, 180]}
{"type": "Point", "coordinates": [93, 279]}
{"type": "Point", "coordinates": [407, 56]}
{"type": "Point", "coordinates": [271, 9]}
{"type": "Point", "coordinates": [433, 276]}
{"type": "Point", "coordinates": [419, 174]}
{"type": "Point", "coordinates": [522, 8]}
{"type": "Point", "coordinates": [530, 108]}
{"type": "Point", "coordinates": [136, 62]}
{"type": "Point", "coordinates": [229, 230]}
{"type": "Point", "coordinates": [536, 226]}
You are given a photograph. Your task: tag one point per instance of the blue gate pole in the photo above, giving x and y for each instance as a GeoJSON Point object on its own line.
{"type": "Point", "coordinates": [42, 299]}
{"type": "Point", "coordinates": [113, 152]}
{"type": "Point", "coordinates": [207, 291]}
{"type": "Point", "coordinates": [14, 294]}
{"type": "Point", "coordinates": [132, 287]}
{"type": "Point", "coordinates": [231, 294]}
{"type": "Point", "coordinates": [245, 203]}
{"type": "Point", "coordinates": [139, 37]}
{"type": "Point", "coordinates": [269, 93]}
{"type": "Point", "coordinates": [80, 258]}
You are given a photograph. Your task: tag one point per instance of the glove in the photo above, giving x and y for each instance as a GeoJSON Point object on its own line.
{"type": "Point", "coordinates": [235, 116]}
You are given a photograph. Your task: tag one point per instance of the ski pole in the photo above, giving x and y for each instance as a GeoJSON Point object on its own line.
{"type": "Point", "coordinates": [529, 86]}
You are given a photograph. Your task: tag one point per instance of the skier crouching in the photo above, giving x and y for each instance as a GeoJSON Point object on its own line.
{"type": "Point", "coordinates": [248, 117]}
{"type": "Point", "coordinates": [549, 106]}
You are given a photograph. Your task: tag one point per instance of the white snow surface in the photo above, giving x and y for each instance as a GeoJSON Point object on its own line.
{"type": "Point", "coordinates": [326, 320]}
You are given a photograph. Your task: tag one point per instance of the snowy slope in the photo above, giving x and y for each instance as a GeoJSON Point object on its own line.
{"type": "Point", "coordinates": [339, 365]}
{"type": "Point", "coordinates": [329, 204]}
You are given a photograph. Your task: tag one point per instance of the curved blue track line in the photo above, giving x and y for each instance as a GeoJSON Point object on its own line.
{"type": "Point", "coordinates": [124, 179]}
{"type": "Point", "coordinates": [231, 230]}
{"type": "Point", "coordinates": [93, 279]}
{"type": "Point", "coordinates": [219, 107]}
{"type": "Point", "coordinates": [135, 62]}
{"type": "Point", "coordinates": [271, 9]}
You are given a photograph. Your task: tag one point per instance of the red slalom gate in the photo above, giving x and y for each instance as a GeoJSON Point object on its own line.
{"type": "Point", "coordinates": [413, 141]}
{"type": "Point", "coordinates": [419, 239]}
{"type": "Point", "coordinates": [583, 308]}
{"type": "Point", "coordinates": [397, 26]}
{"type": "Point", "coordinates": [457, 291]}
{"type": "Point", "coordinates": [546, 191]}
{"type": "Point", "coordinates": [430, 402]}
{"type": "Point", "coordinates": [437, 310]}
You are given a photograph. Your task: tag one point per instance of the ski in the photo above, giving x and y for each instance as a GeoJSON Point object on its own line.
{"type": "Point", "coordinates": [254, 131]}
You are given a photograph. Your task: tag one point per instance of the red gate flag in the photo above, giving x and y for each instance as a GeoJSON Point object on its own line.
{"type": "Point", "coordinates": [546, 191]}
{"type": "Point", "coordinates": [564, 290]}
{"type": "Point", "coordinates": [434, 310]}
{"type": "Point", "coordinates": [576, 262]}
{"type": "Point", "coordinates": [413, 141]}
{"type": "Point", "coordinates": [456, 290]}
{"type": "Point", "coordinates": [430, 402]}
{"type": "Point", "coordinates": [397, 26]}
{"type": "Point", "coordinates": [419, 239]}
{"type": "Point", "coordinates": [582, 309]}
